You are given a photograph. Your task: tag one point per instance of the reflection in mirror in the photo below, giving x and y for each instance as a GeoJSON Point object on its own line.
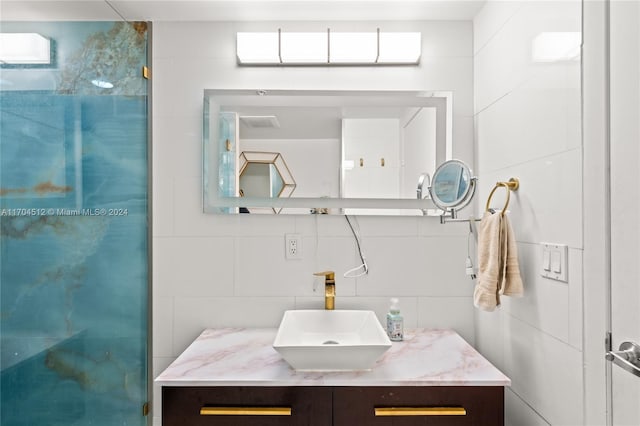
{"type": "Point", "coordinates": [384, 157]}
{"type": "Point", "coordinates": [264, 174]}
{"type": "Point", "coordinates": [340, 145]}
{"type": "Point", "coordinates": [259, 180]}
{"type": "Point", "coordinates": [452, 187]}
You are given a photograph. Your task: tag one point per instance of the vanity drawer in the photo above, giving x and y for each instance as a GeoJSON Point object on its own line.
{"type": "Point", "coordinates": [409, 406]}
{"type": "Point", "coordinates": [246, 405]}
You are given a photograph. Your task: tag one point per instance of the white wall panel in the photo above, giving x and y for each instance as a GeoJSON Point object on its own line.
{"type": "Point", "coordinates": [448, 312]}
{"type": "Point", "coordinates": [207, 271]}
{"type": "Point", "coordinates": [490, 19]}
{"type": "Point", "coordinates": [518, 413]}
{"type": "Point", "coordinates": [423, 267]}
{"type": "Point", "coordinates": [545, 372]}
{"type": "Point", "coordinates": [162, 326]}
{"type": "Point", "coordinates": [489, 331]}
{"type": "Point", "coordinates": [380, 305]}
{"type": "Point", "coordinates": [528, 126]}
{"type": "Point", "coordinates": [546, 305]}
{"type": "Point", "coordinates": [498, 73]}
{"type": "Point", "coordinates": [162, 205]}
{"type": "Point", "coordinates": [528, 123]}
{"type": "Point", "coordinates": [194, 314]}
{"type": "Point", "coordinates": [257, 284]}
{"type": "Point", "coordinates": [548, 205]}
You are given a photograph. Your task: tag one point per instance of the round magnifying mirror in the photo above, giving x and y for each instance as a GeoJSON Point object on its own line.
{"type": "Point", "coordinates": [452, 186]}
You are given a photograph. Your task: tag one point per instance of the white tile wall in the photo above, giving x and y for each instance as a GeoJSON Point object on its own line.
{"type": "Point", "coordinates": [162, 202]}
{"type": "Point", "coordinates": [548, 205]}
{"type": "Point", "coordinates": [489, 329]}
{"type": "Point", "coordinates": [216, 271]}
{"type": "Point", "coordinates": [448, 312]}
{"type": "Point", "coordinates": [194, 314]}
{"type": "Point", "coordinates": [380, 305]}
{"type": "Point", "coordinates": [504, 62]}
{"type": "Point", "coordinates": [191, 276]}
{"type": "Point", "coordinates": [490, 20]}
{"type": "Point", "coordinates": [545, 372]}
{"type": "Point", "coordinates": [463, 131]}
{"type": "Point", "coordinates": [529, 117]}
{"type": "Point", "coordinates": [518, 413]}
{"type": "Point", "coordinates": [432, 266]}
{"type": "Point", "coordinates": [162, 326]}
{"type": "Point", "coordinates": [528, 126]}
{"type": "Point", "coordinates": [546, 301]}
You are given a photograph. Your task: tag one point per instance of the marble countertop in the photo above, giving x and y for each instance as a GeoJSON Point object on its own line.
{"type": "Point", "coordinates": [245, 357]}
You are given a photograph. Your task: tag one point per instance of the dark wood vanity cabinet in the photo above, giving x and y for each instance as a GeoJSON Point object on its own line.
{"type": "Point", "coordinates": [418, 405]}
{"type": "Point", "coordinates": [195, 406]}
{"type": "Point", "coordinates": [337, 406]}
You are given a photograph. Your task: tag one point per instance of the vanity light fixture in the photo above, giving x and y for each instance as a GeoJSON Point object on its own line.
{"type": "Point", "coordinates": [24, 49]}
{"type": "Point", "coordinates": [353, 48]}
{"type": "Point", "coordinates": [400, 47]}
{"type": "Point", "coordinates": [328, 48]}
{"type": "Point", "coordinates": [303, 48]}
{"type": "Point", "coordinates": [258, 48]}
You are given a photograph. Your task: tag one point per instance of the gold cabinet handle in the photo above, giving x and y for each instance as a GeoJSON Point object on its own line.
{"type": "Point", "coordinates": [245, 411]}
{"type": "Point", "coordinates": [419, 411]}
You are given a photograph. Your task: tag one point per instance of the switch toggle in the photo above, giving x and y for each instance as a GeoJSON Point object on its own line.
{"type": "Point", "coordinates": [556, 264]}
{"type": "Point", "coordinates": [546, 262]}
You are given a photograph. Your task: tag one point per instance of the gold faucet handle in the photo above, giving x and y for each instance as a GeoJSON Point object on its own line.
{"type": "Point", "coordinates": [328, 275]}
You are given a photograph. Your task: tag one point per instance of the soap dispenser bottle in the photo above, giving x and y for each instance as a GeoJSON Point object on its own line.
{"type": "Point", "coordinates": [395, 326]}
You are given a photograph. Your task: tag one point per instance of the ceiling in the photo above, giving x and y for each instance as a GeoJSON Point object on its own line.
{"type": "Point", "coordinates": [238, 10]}
{"type": "Point", "coordinates": [312, 122]}
{"type": "Point", "coordinates": [315, 114]}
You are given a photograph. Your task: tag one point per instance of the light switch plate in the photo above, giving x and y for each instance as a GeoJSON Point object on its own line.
{"type": "Point", "coordinates": [555, 261]}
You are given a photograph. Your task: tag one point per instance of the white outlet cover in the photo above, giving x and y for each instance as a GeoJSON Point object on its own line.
{"type": "Point", "coordinates": [293, 246]}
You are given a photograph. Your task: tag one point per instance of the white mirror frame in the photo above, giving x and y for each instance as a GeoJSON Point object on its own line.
{"type": "Point", "coordinates": [213, 203]}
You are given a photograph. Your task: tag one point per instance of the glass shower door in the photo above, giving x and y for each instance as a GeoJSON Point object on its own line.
{"type": "Point", "coordinates": [625, 204]}
{"type": "Point", "coordinates": [74, 223]}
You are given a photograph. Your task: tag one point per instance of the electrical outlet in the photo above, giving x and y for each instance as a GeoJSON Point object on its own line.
{"type": "Point", "coordinates": [293, 246]}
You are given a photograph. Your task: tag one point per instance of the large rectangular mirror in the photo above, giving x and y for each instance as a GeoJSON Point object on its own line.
{"type": "Point", "coordinates": [323, 152]}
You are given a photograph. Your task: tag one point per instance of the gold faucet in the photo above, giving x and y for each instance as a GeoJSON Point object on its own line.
{"type": "Point", "coordinates": [329, 289]}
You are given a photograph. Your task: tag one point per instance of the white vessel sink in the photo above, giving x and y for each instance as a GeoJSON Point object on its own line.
{"type": "Point", "coordinates": [323, 340]}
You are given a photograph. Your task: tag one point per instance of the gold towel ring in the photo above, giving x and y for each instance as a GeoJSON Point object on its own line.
{"type": "Point", "coordinates": [512, 185]}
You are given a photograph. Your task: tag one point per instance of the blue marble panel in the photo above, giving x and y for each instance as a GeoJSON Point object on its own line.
{"type": "Point", "coordinates": [74, 232]}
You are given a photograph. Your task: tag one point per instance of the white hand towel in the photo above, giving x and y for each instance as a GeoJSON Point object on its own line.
{"type": "Point", "coordinates": [498, 269]}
